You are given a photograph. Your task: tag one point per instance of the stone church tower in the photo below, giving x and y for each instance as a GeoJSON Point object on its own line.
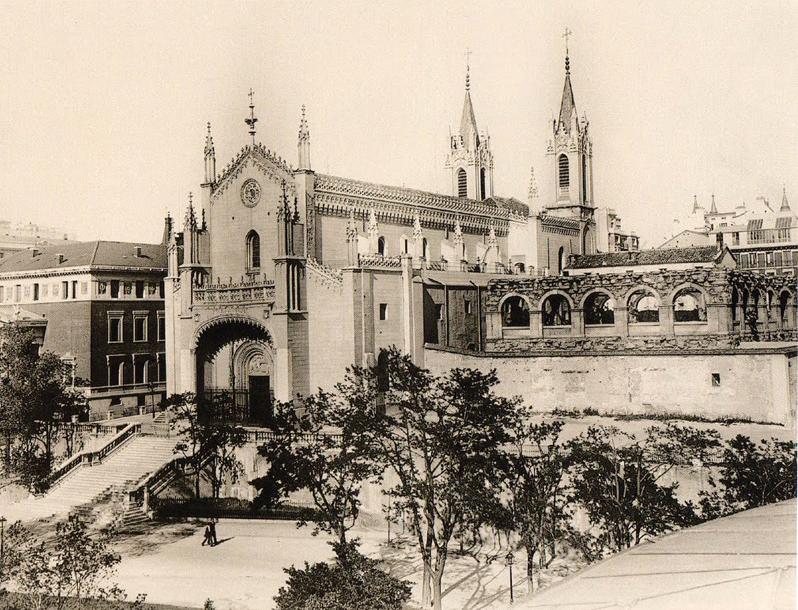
{"type": "Point", "coordinates": [572, 150]}
{"type": "Point", "coordinates": [470, 158]}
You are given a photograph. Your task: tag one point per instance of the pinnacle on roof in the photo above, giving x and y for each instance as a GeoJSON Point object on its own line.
{"type": "Point", "coordinates": [190, 220]}
{"type": "Point", "coordinates": [209, 148]}
{"type": "Point", "coordinates": [533, 186]}
{"type": "Point", "coordinates": [785, 205]}
{"type": "Point", "coordinates": [304, 130]}
{"type": "Point", "coordinates": [695, 204]}
{"type": "Point", "coordinates": [714, 208]}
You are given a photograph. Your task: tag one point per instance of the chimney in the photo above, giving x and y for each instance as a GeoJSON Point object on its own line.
{"type": "Point", "coordinates": [138, 251]}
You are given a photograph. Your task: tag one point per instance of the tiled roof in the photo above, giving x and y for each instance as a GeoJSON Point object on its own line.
{"type": "Point", "coordinates": [87, 253]}
{"type": "Point", "coordinates": [496, 206]}
{"type": "Point", "coordinates": [660, 256]}
{"type": "Point", "coordinates": [13, 313]}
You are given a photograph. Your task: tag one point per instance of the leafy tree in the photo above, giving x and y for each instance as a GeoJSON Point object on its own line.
{"type": "Point", "coordinates": [751, 474]}
{"type": "Point", "coordinates": [353, 582]}
{"type": "Point", "coordinates": [442, 438]}
{"type": "Point", "coordinates": [617, 481]}
{"type": "Point", "coordinates": [323, 448]}
{"type": "Point", "coordinates": [205, 441]}
{"type": "Point", "coordinates": [35, 401]}
{"type": "Point", "coordinates": [65, 572]}
{"type": "Point", "coordinates": [535, 489]}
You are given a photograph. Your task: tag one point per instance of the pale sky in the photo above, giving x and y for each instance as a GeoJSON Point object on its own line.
{"type": "Point", "coordinates": [103, 105]}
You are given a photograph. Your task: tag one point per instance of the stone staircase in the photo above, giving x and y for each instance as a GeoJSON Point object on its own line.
{"type": "Point", "coordinates": [83, 489]}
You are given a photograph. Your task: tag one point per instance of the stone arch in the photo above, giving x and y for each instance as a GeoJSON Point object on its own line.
{"type": "Point", "coordinates": [512, 314]}
{"type": "Point", "coordinates": [556, 311]}
{"type": "Point", "coordinates": [606, 315]}
{"type": "Point", "coordinates": [682, 290]}
{"type": "Point", "coordinates": [632, 308]}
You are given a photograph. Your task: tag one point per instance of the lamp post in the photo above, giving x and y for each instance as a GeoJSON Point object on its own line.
{"type": "Point", "coordinates": [510, 559]}
{"type": "Point", "coordinates": [2, 543]}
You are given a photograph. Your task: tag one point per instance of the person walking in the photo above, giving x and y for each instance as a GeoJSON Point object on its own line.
{"type": "Point", "coordinates": [212, 528]}
{"type": "Point", "coordinates": [207, 539]}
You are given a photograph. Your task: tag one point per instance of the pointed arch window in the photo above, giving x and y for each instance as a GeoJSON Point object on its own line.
{"type": "Point", "coordinates": [564, 171]}
{"type": "Point", "coordinates": [560, 260]}
{"type": "Point", "coordinates": [462, 183]}
{"type": "Point", "coordinates": [381, 246]}
{"type": "Point", "coordinates": [253, 250]}
{"type": "Point", "coordinates": [482, 183]}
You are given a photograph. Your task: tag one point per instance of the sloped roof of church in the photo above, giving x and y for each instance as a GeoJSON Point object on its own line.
{"type": "Point", "coordinates": [659, 256]}
{"type": "Point", "coordinates": [499, 207]}
{"type": "Point", "coordinates": [468, 122]}
{"type": "Point", "coordinates": [87, 254]}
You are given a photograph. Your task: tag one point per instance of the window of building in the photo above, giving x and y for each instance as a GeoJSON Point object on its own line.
{"type": "Point", "coordinates": [84, 288]}
{"type": "Point", "coordinates": [140, 327]}
{"type": "Point", "coordinates": [127, 288]}
{"type": "Point", "coordinates": [425, 248]}
{"type": "Point", "coordinates": [735, 239]}
{"type": "Point", "coordinates": [467, 306]}
{"type": "Point", "coordinates": [102, 287]}
{"type": "Point", "coordinates": [139, 289]}
{"type": "Point", "coordinates": [64, 290]}
{"type": "Point", "coordinates": [115, 328]}
{"type": "Point", "coordinates": [515, 312]}
{"type": "Point", "coordinates": [161, 289]}
{"type": "Point", "coordinates": [778, 259]}
{"type": "Point", "coordinates": [760, 259]}
{"type": "Point", "coordinates": [74, 289]}
{"type": "Point", "coordinates": [743, 260]}
{"type": "Point", "coordinates": [152, 289]}
{"type": "Point", "coordinates": [482, 183]}
{"type": "Point", "coordinates": [556, 311]}
{"type": "Point", "coordinates": [161, 326]}
{"type": "Point", "coordinates": [599, 309]}
{"type": "Point", "coordinates": [562, 164]}
{"type": "Point", "coordinates": [17, 293]}
{"type": "Point", "coordinates": [115, 373]}
{"type": "Point", "coordinates": [141, 370]}
{"type": "Point", "coordinates": [383, 311]}
{"type": "Point", "coordinates": [462, 183]}
{"type": "Point", "coordinates": [560, 260]}
{"type": "Point", "coordinates": [36, 292]}
{"type": "Point", "coordinates": [643, 307]}
{"type": "Point", "coordinates": [114, 289]}
{"type": "Point", "coordinates": [716, 380]}
{"type": "Point", "coordinates": [689, 306]}
{"type": "Point", "coordinates": [784, 304]}
{"type": "Point", "coordinates": [381, 246]}
{"type": "Point", "coordinates": [162, 367]}
{"type": "Point", "coordinates": [2, 293]}
{"type": "Point", "coordinates": [253, 250]}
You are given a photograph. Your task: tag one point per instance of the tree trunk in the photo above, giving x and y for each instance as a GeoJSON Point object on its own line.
{"type": "Point", "coordinates": [530, 569]}
{"type": "Point", "coordinates": [197, 483]}
{"type": "Point", "coordinates": [426, 590]}
{"type": "Point", "coordinates": [437, 577]}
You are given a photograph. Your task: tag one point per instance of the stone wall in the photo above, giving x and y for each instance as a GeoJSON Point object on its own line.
{"type": "Point", "coordinates": [720, 385]}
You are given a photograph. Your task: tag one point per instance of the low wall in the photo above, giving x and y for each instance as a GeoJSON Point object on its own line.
{"type": "Point", "coordinates": [723, 385]}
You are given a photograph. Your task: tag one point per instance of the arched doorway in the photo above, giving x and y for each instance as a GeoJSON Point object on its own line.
{"type": "Point", "coordinates": [234, 369]}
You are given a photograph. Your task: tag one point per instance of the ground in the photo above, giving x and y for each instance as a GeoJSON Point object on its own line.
{"type": "Point", "coordinates": [245, 571]}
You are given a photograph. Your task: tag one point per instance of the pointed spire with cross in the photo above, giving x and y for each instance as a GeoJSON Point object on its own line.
{"type": "Point", "coordinates": [252, 119]}
{"type": "Point", "coordinates": [468, 68]}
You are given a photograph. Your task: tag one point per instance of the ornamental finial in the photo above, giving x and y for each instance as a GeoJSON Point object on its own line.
{"type": "Point", "coordinates": [567, 34]}
{"type": "Point", "coordinates": [252, 119]}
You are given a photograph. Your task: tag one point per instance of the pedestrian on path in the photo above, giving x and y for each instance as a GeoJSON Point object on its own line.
{"type": "Point", "coordinates": [212, 528]}
{"type": "Point", "coordinates": [207, 538]}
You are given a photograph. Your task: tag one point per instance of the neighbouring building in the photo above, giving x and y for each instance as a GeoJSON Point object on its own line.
{"type": "Point", "coordinates": [282, 277]}
{"type": "Point", "coordinates": [760, 236]}
{"type": "Point", "coordinates": [100, 306]}
{"type": "Point", "coordinates": [22, 236]}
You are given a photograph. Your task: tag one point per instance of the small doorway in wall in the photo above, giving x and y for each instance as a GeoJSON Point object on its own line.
{"type": "Point", "coordinates": [260, 399]}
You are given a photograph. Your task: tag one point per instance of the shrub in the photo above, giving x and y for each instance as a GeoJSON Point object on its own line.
{"type": "Point", "coordinates": [353, 582]}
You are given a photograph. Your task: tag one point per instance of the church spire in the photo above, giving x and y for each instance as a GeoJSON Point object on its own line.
{"type": "Point", "coordinates": [303, 142]}
{"type": "Point", "coordinates": [713, 208]}
{"type": "Point", "coordinates": [468, 121]}
{"type": "Point", "coordinates": [785, 205]}
{"type": "Point", "coordinates": [567, 104]}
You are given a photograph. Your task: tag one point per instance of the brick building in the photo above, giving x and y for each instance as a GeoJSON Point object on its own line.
{"type": "Point", "coordinates": [103, 304]}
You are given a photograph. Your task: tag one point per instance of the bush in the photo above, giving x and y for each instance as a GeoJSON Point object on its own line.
{"type": "Point", "coordinates": [353, 582]}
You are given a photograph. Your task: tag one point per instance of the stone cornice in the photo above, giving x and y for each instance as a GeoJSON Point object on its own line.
{"type": "Point", "coordinates": [91, 269]}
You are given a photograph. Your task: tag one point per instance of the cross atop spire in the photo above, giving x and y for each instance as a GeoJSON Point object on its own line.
{"type": "Point", "coordinates": [468, 68]}
{"type": "Point", "coordinates": [567, 34]}
{"type": "Point", "coordinates": [252, 119]}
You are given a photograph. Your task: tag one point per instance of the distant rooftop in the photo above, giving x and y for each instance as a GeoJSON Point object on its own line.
{"type": "Point", "coordinates": [86, 254]}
